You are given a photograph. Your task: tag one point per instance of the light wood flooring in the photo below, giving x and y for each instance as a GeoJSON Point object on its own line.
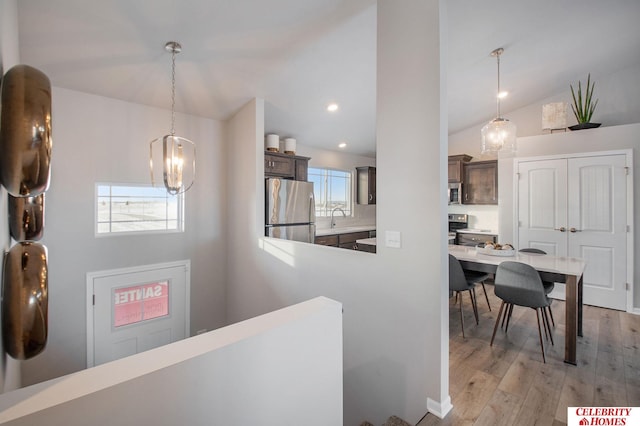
{"type": "Point", "coordinates": [508, 384]}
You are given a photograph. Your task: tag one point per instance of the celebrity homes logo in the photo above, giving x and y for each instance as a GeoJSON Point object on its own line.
{"type": "Point", "coordinates": [603, 416]}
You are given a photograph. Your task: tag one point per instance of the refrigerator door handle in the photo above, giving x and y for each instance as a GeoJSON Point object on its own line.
{"type": "Point", "coordinates": [312, 208]}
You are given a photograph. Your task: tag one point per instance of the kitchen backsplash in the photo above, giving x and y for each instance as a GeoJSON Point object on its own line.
{"type": "Point", "coordinates": [480, 217]}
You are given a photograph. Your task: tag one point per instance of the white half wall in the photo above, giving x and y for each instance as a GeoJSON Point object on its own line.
{"type": "Point", "coordinates": [98, 139]}
{"type": "Point", "coordinates": [395, 312]}
{"type": "Point", "coordinates": [282, 368]}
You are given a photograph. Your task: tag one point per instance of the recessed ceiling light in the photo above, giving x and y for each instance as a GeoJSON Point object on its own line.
{"type": "Point", "coordinates": [342, 145]}
{"type": "Point", "coordinates": [503, 94]}
{"type": "Point", "coordinates": [332, 107]}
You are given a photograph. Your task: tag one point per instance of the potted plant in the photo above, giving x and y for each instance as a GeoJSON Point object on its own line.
{"type": "Point", "coordinates": [583, 107]}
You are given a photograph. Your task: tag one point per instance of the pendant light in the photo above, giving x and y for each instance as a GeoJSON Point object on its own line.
{"type": "Point", "coordinates": [499, 134]}
{"type": "Point", "coordinates": [176, 154]}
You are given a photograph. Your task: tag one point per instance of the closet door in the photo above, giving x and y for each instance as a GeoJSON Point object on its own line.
{"type": "Point", "coordinates": [542, 206]}
{"type": "Point", "coordinates": [597, 225]}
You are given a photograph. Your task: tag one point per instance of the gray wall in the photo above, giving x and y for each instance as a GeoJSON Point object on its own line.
{"type": "Point", "coordinates": [97, 139]}
{"type": "Point", "coordinates": [395, 316]}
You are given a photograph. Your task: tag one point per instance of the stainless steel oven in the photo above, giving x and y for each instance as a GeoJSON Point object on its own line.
{"type": "Point", "coordinates": [457, 221]}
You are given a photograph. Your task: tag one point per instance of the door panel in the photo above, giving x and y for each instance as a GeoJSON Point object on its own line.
{"type": "Point", "coordinates": [138, 309]}
{"type": "Point", "coordinates": [598, 213]}
{"type": "Point", "coordinates": [542, 205]}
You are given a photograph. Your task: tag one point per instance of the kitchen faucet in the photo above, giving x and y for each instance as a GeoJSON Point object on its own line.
{"type": "Point", "coordinates": [333, 224]}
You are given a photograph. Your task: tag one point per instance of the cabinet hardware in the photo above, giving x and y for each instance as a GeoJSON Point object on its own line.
{"type": "Point", "coordinates": [561, 229]}
{"type": "Point", "coordinates": [575, 230]}
{"type": "Point", "coordinates": [370, 197]}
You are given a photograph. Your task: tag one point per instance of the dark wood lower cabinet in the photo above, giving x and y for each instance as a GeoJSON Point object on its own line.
{"type": "Point", "coordinates": [346, 240]}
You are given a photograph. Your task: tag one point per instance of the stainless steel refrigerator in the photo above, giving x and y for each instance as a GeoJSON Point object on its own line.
{"type": "Point", "coordinates": [290, 210]}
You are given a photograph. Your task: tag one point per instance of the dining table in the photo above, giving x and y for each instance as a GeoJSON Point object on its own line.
{"type": "Point", "coordinates": [559, 269]}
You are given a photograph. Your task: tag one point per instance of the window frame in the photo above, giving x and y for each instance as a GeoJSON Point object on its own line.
{"type": "Point", "coordinates": [326, 174]}
{"type": "Point", "coordinates": [180, 213]}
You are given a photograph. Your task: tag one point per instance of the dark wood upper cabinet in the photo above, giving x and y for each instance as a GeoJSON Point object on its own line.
{"type": "Point", "coordinates": [366, 185]}
{"type": "Point", "coordinates": [285, 166]}
{"type": "Point", "coordinates": [480, 182]}
{"type": "Point", "coordinates": [455, 167]}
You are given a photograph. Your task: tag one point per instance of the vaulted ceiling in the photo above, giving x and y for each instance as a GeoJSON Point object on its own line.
{"type": "Point", "coordinates": [300, 55]}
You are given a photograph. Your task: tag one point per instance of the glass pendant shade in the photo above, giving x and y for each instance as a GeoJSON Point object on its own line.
{"type": "Point", "coordinates": [173, 163]}
{"type": "Point", "coordinates": [172, 159]}
{"type": "Point", "coordinates": [498, 135]}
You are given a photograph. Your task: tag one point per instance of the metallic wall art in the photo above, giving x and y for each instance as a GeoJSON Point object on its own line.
{"type": "Point", "coordinates": [25, 131]}
{"type": "Point", "coordinates": [26, 217]}
{"type": "Point", "coordinates": [25, 300]}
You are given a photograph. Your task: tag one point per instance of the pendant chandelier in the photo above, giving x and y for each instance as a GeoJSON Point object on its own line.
{"type": "Point", "coordinates": [499, 134]}
{"type": "Point", "coordinates": [176, 154]}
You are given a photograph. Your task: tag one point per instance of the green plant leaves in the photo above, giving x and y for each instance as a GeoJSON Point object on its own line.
{"type": "Point", "coordinates": [583, 108]}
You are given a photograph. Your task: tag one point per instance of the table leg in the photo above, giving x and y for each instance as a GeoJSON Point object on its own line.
{"type": "Point", "coordinates": [580, 306]}
{"type": "Point", "coordinates": [571, 319]}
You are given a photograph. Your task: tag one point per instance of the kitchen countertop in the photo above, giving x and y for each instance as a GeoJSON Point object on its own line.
{"type": "Point", "coordinates": [344, 230]}
{"type": "Point", "coordinates": [367, 241]}
{"type": "Point", "coordinates": [477, 231]}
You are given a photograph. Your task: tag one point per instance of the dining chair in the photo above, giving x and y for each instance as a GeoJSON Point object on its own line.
{"type": "Point", "coordinates": [548, 285]}
{"type": "Point", "coordinates": [520, 284]}
{"type": "Point", "coordinates": [459, 282]}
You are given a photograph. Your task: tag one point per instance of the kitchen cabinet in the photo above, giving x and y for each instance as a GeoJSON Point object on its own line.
{"type": "Point", "coordinates": [285, 166]}
{"type": "Point", "coordinates": [471, 239]}
{"type": "Point", "coordinates": [455, 167]}
{"type": "Point", "coordinates": [345, 240]}
{"type": "Point", "coordinates": [480, 182]}
{"type": "Point", "coordinates": [366, 181]}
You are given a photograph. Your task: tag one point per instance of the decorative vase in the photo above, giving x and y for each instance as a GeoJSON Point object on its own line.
{"type": "Point", "coordinates": [581, 126]}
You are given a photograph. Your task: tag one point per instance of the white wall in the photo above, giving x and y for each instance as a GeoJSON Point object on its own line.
{"type": "Point", "coordinates": [619, 103]}
{"type": "Point", "coordinates": [97, 139]}
{"type": "Point", "coordinates": [283, 368]}
{"type": "Point", "coordinates": [594, 140]}
{"type": "Point", "coordinates": [363, 214]}
{"type": "Point", "coordinates": [395, 317]}
{"type": "Point", "coordinates": [9, 368]}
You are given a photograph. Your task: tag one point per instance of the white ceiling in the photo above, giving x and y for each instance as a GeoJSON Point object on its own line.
{"type": "Point", "coordinates": [299, 55]}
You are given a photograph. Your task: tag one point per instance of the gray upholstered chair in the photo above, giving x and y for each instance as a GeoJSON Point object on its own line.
{"type": "Point", "coordinates": [548, 285]}
{"type": "Point", "coordinates": [459, 282]}
{"type": "Point", "coordinates": [520, 284]}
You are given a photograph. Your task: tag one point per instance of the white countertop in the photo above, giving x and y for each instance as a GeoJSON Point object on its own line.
{"type": "Point", "coordinates": [367, 241]}
{"type": "Point", "coordinates": [477, 231]}
{"type": "Point", "coordinates": [344, 230]}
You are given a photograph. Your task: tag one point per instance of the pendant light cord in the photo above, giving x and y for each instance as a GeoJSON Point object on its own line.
{"type": "Point", "coordinates": [173, 92]}
{"type": "Point", "coordinates": [498, 94]}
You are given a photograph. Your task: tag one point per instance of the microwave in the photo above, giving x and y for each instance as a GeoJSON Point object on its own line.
{"type": "Point", "coordinates": [455, 193]}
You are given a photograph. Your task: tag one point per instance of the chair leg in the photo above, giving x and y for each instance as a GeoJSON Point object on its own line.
{"type": "Point", "coordinates": [504, 316]}
{"type": "Point", "coordinates": [485, 295]}
{"type": "Point", "coordinates": [548, 324]}
{"type": "Point", "coordinates": [509, 317]}
{"type": "Point", "coordinates": [540, 335]}
{"type": "Point", "coordinates": [461, 316]}
{"type": "Point", "coordinates": [495, 327]}
{"type": "Point", "coordinates": [551, 314]}
{"type": "Point", "coordinates": [474, 304]}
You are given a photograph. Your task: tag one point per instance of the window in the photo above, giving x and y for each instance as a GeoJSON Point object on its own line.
{"type": "Point", "coordinates": [136, 209]}
{"type": "Point", "coordinates": [332, 188]}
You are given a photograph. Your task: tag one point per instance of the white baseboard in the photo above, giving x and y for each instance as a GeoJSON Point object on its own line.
{"type": "Point", "coordinates": [440, 409]}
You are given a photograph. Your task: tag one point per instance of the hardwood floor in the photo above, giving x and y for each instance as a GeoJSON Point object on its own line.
{"type": "Point", "coordinates": [508, 384]}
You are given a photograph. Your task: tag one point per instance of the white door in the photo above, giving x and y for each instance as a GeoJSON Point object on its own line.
{"type": "Point", "coordinates": [136, 309]}
{"type": "Point", "coordinates": [597, 224]}
{"type": "Point", "coordinates": [577, 207]}
{"type": "Point", "coordinates": [542, 205]}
